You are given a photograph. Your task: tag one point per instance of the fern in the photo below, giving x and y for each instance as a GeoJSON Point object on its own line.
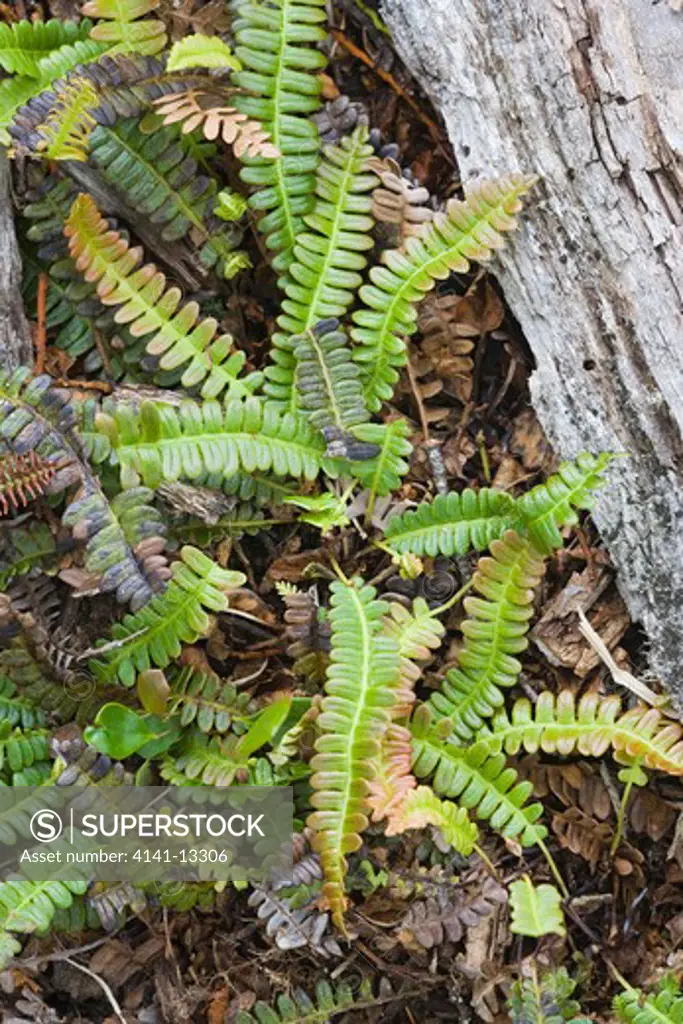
{"type": "Point", "coordinates": [355, 715]}
{"type": "Point", "coordinates": [29, 907]}
{"type": "Point", "coordinates": [162, 443]}
{"type": "Point", "coordinates": [422, 807]}
{"type": "Point", "coordinates": [418, 632]}
{"type": "Point", "coordinates": [24, 44]}
{"type": "Point", "coordinates": [273, 45]}
{"type": "Point", "coordinates": [453, 524]}
{"type": "Point", "coordinates": [34, 415]}
{"type": "Point", "coordinates": [468, 230]}
{"type": "Point", "coordinates": [558, 724]}
{"type": "Point", "coordinates": [494, 631]}
{"type": "Point", "coordinates": [300, 1009]}
{"type": "Point", "coordinates": [21, 748]}
{"type": "Point", "coordinates": [535, 910]}
{"type": "Point", "coordinates": [161, 181]}
{"type": "Point", "coordinates": [148, 306]}
{"type": "Point", "coordinates": [65, 132]}
{"type": "Point", "coordinates": [393, 779]}
{"type": "Point", "coordinates": [552, 504]}
{"type": "Point", "coordinates": [327, 382]}
{"type": "Point", "coordinates": [201, 51]}
{"type": "Point", "coordinates": [125, 543]}
{"type": "Point", "coordinates": [46, 51]}
{"type": "Point", "coordinates": [24, 549]}
{"type": "Point", "coordinates": [120, 26]}
{"type": "Point", "coordinates": [663, 1006]}
{"type": "Point", "coordinates": [383, 473]}
{"type": "Point", "coordinates": [211, 761]}
{"type": "Point", "coordinates": [545, 1000]}
{"type": "Point", "coordinates": [68, 298]}
{"type": "Point", "coordinates": [16, 710]}
{"type": "Point", "coordinates": [155, 634]}
{"type": "Point", "coordinates": [324, 273]}
{"type": "Point", "coordinates": [23, 478]}
{"type": "Point", "coordinates": [479, 781]}
{"type": "Point", "coordinates": [205, 699]}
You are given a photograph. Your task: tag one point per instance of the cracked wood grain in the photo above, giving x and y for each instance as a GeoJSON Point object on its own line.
{"type": "Point", "coordinates": [588, 94]}
{"type": "Point", "coordinates": [15, 337]}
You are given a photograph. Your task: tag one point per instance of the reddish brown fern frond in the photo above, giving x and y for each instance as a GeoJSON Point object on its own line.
{"type": "Point", "coordinates": [22, 479]}
{"type": "Point", "coordinates": [393, 779]}
{"type": "Point", "coordinates": [196, 107]}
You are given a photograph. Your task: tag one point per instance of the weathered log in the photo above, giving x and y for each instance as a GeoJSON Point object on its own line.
{"type": "Point", "coordinates": [588, 94]}
{"type": "Point", "coordinates": [15, 337]}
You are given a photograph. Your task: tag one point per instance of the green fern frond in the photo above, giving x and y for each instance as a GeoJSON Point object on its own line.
{"type": "Point", "coordinates": [25, 548]}
{"type": "Point", "coordinates": [17, 93]}
{"type": "Point", "coordinates": [467, 230]}
{"type": "Point", "coordinates": [276, 45]}
{"type": "Point", "coordinates": [20, 748]}
{"type": "Point", "coordinates": [121, 29]}
{"type": "Point", "coordinates": [327, 259]}
{"type": "Point", "coordinates": [423, 807]}
{"type": "Point", "coordinates": [453, 524]}
{"type": "Point", "coordinates": [552, 504]}
{"type": "Point", "coordinates": [161, 443]}
{"type": "Point", "coordinates": [356, 712]}
{"type": "Point", "coordinates": [205, 699]}
{"type": "Point", "coordinates": [65, 132]}
{"type": "Point", "coordinates": [663, 1006]}
{"type": "Point", "coordinates": [327, 381]}
{"type": "Point", "coordinates": [209, 761]}
{"type": "Point", "coordinates": [163, 182]}
{"type": "Point", "coordinates": [155, 634]}
{"type": "Point", "coordinates": [300, 1008]}
{"type": "Point", "coordinates": [535, 910]}
{"type": "Point", "coordinates": [201, 51]}
{"type": "Point", "coordinates": [17, 710]}
{"type": "Point", "coordinates": [558, 724]}
{"type": "Point", "coordinates": [149, 307]}
{"type": "Point", "coordinates": [30, 907]}
{"type": "Point", "coordinates": [478, 781]}
{"type": "Point", "coordinates": [383, 474]}
{"type": "Point", "coordinates": [24, 44]}
{"type": "Point", "coordinates": [417, 633]}
{"type": "Point", "coordinates": [545, 1000]}
{"type": "Point", "coordinates": [494, 632]}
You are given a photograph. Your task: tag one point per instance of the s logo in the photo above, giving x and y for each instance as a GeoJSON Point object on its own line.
{"type": "Point", "coordinates": [46, 826]}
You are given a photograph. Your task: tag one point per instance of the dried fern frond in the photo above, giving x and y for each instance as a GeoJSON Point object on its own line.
{"type": "Point", "coordinates": [22, 479]}
{"type": "Point", "coordinates": [308, 631]}
{"type": "Point", "coordinates": [197, 109]}
{"type": "Point", "coordinates": [396, 201]}
{"type": "Point", "coordinates": [446, 916]}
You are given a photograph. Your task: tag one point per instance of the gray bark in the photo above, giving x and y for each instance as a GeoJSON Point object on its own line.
{"type": "Point", "coordinates": [588, 94]}
{"type": "Point", "coordinates": [15, 337]}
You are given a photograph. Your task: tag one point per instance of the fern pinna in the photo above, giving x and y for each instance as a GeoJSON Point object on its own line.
{"type": "Point", "coordinates": [146, 304]}
{"type": "Point", "coordinates": [355, 715]}
{"type": "Point", "coordinates": [276, 45]}
{"type": "Point", "coordinates": [23, 478]}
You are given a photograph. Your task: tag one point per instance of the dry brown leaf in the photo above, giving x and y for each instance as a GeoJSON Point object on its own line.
{"type": "Point", "coordinates": [557, 634]}
{"type": "Point", "coordinates": [195, 108]}
{"type": "Point", "coordinates": [582, 834]}
{"type": "Point", "coordinates": [396, 201]}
